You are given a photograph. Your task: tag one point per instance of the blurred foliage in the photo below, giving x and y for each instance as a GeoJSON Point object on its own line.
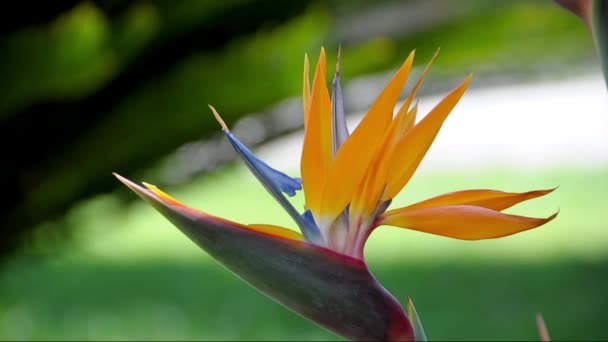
{"type": "Point", "coordinates": [81, 84]}
{"type": "Point", "coordinates": [93, 87]}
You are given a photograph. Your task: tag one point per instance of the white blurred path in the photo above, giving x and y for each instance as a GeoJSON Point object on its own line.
{"type": "Point", "coordinates": [558, 123]}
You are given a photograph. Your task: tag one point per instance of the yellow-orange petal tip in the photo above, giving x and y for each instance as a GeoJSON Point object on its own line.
{"type": "Point", "coordinates": [165, 196]}
{"type": "Point", "coordinates": [339, 58]}
{"type": "Point", "coordinates": [218, 118]}
{"type": "Point", "coordinates": [548, 219]}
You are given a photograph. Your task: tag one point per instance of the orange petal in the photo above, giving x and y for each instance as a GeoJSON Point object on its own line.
{"type": "Point", "coordinates": [413, 146]}
{"type": "Point", "coordinates": [491, 199]}
{"type": "Point", "coordinates": [366, 199]}
{"type": "Point", "coordinates": [355, 155]}
{"type": "Point", "coordinates": [316, 152]}
{"type": "Point", "coordinates": [407, 124]}
{"type": "Point", "coordinates": [277, 231]}
{"type": "Point", "coordinates": [165, 196]}
{"type": "Point", "coordinates": [464, 222]}
{"type": "Point", "coordinates": [306, 89]}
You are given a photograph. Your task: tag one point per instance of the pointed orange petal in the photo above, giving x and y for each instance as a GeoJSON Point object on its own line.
{"type": "Point", "coordinates": [464, 222]}
{"type": "Point", "coordinates": [277, 231]}
{"type": "Point", "coordinates": [367, 198]}
{"type": "Point", "coordinates": [316, 152]}
{"type": "Point", "coordinates": [413, 146]}
{"type": "Point", "coordinates": [491, 199]}
{"type": "Point", "coordinates": [407, 122]}
{"type": "Point", "coordinates": [306, 89]}
{"type": "Point", "coordinates": [354, 156]}
{"type": "Point", "coordinates": [165, 196]}
{"type": "Point", "coordinates": [368, 192]}
{"type": "Point", "coordinates": [405, 106]}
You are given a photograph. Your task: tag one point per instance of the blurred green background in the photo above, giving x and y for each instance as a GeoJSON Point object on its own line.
{"type": "Point", "coordinates": [93, 87]}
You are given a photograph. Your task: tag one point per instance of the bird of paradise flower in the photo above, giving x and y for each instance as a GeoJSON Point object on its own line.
{"type": "Point", "coordinates": [348, 181]}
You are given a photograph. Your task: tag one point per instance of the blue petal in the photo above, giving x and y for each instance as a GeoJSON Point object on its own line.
{"type": "Point", "coordinates": [276, 179]}
{"type": "Point", "coordinates": [307, 216]}
{"type": "Point", "coordinates": [339, 128]}
{"type": "Point", "coordinates": [276, 182]}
